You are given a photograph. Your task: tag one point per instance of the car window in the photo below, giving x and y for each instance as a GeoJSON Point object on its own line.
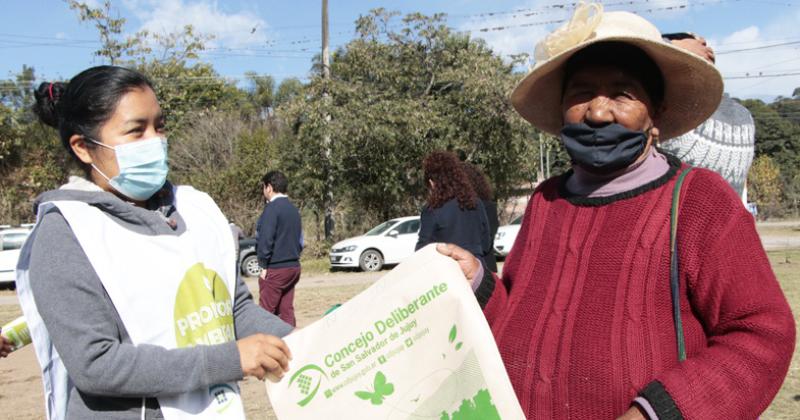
{"type": "Point", "coordinates": [13, 240]}
{"type": "Point", "coordinates": [411, 226]}
{"type": "Point", "coordinates": [381, 228]}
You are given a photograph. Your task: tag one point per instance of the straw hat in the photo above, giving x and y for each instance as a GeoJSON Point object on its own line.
{"type": "Point", "coordinates": [692, 86]}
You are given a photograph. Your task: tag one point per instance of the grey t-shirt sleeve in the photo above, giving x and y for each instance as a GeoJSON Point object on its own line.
{"type": "Point", "coordinates": [91, 339]}
{"type": "Point", "coordinates": [252, 319]}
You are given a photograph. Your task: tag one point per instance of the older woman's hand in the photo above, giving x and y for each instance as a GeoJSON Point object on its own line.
{"type": "Point", "coordinates": [466, 261]}
{"type": "Point", "coordinates": [633, 413]}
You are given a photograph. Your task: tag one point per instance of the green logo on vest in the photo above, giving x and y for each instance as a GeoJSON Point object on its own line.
{"type": "Point", "coordinates": [203, 309]}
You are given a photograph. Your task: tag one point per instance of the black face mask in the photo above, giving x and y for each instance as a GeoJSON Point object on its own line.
{"type": "Point", "coordinates": [604, 149]}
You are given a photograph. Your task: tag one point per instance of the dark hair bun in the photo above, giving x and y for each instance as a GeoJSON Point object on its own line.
{"type": "Point", "coordinates": [46, 106]}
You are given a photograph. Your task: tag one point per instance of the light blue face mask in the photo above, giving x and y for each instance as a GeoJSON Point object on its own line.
{"type": "Point", "coordinates": [142, 167]}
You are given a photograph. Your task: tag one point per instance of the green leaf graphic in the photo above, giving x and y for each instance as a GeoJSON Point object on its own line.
{"type": "Point", "coordinates": [453, 334]}
{"type": "Point", "coordinates": [458, 346]}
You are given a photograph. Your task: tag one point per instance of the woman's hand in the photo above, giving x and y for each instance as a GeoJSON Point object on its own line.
{"type": "Point", "coordinates": [264, 356]}
{"type": "Point", "coordinates": [468, 263]}
{"type": "Point", "coordinates": [5, 347]}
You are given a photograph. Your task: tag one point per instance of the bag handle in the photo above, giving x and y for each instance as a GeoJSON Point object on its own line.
{"type": "Point", "coordinates": [674, 278]}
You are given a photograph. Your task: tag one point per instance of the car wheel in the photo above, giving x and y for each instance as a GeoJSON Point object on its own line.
{"type": "Point", "coordinates": [250, 266]}
{"type": "Point", "coordinates": [371, 260]}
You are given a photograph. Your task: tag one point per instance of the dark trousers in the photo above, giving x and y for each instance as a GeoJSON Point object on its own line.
{"type": "Point", "coordinates": [276, 292]}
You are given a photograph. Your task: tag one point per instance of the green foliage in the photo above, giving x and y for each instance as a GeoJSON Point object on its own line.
{"type": "Point", "coordinates": [778, 138]}
{"type": "Point", "coordinates": [764, 186]}
{"type": "Point", "coordinates": [395, 96]}
{"type": "Point", "coordinates": [31, 158]}
{"type": "Point", "coordinates": [225, 156]}
{"type": "Point", "coordinates": [287, 90]}
{"type": "Point", "coordinates": [110, 30]}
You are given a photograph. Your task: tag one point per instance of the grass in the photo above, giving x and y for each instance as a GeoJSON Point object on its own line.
{"type": "Point", "coordinates": [312, 302]}
{"type": "Point", "coordinates": [315, 265]}
{"type": "Point", "coordinates": [786, 404]}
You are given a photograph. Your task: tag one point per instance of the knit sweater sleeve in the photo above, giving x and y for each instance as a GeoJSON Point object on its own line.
{"type": "Point", "coordinates": [734, 293]}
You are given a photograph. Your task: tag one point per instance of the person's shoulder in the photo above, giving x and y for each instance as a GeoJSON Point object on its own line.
{"type": "Point", "coordinates": [732, 112]}
{"type": "Point", "coordinates": [708, 189]}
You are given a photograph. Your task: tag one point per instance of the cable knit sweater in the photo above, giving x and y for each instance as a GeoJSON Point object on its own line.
{"type": "Point", "coordinates": [583, 319]}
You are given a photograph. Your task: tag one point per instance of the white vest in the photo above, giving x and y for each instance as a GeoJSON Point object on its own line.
{"type": "Point", "coordinates": [169, 290]}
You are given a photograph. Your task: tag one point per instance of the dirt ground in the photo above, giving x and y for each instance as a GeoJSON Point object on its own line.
{"type": "Point", "coordinates": [21, 388]}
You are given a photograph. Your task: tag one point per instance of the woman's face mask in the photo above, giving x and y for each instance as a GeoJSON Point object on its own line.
{"type": "Point", "coordinates": [605, 149]}
{"type": "Point", "coordinates": [142, 167]}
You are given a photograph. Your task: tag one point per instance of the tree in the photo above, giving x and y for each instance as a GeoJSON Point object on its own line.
{"type": "Point", "coordinates": [777, 136]}
{"type": "Point", "coordinates": [764, 186]}
{"type": "Point", "coordinates": [395, 95]}
{"type": "Point", "coordinates": [261, 92]}
{"type": "Point", "coordinates": [32, 158]}
{"type": "Point", "coordinates": [287, 90]}
{"type": "Point", "coordinates": [110, 29]}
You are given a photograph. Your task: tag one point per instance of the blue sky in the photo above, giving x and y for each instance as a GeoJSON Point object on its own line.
{"type": "Point", "coordinates": [280, 37]}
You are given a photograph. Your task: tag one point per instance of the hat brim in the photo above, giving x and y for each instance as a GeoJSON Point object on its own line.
{"type": "Point", "coordinates": [692, 88]}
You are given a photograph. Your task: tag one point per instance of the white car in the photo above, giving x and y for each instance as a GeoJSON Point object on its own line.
{"type": "Point", "coordinates": [11, 241]}
{"type": "Point", "coordinates": [388, 243]}
{"type": "Point", "coordinates": [505, 237]}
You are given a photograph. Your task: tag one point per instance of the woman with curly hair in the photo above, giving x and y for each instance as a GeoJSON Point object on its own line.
{"type": "Point", "coordinates": [486, 195]}
{"type": "Point", "coordinates": [454, 213]}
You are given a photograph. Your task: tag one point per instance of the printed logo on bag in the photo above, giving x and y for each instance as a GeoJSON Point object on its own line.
{"type": "Point", "coordinates": [306, 382]}
{"type": "Point", "coordinates": [203, 309]}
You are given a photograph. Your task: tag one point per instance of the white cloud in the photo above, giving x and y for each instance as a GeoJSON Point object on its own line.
{"type": "Point", "coordinates": [518, 36]}
{"type": "Point", "coordinates": [231, 30]}
{"type": "Point", "coordinates": [520, 31]}
{"type": "Point", "coordinates": [785, 59]}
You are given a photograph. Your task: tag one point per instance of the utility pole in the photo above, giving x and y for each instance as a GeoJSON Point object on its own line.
{"type": "Point", "coordinates": [326, 75]}
{"type": "Point", "coordinates": [326, 61]}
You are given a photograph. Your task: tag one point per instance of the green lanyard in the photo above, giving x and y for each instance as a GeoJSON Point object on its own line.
{"type": "Point", "coordinates": [673, 269]}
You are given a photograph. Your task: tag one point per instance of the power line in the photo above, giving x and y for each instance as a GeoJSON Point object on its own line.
{"type": "Point", "coordinates": [763, 47]}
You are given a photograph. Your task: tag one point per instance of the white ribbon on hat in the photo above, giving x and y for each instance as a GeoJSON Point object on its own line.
{"type": "Point", "coordinates": [580, 26]}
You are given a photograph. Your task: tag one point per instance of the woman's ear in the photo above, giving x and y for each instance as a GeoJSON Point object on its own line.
{"type": "Point", "coordinates": [655, 134]}
{"type": "Point", "coordinates": [78, 145]}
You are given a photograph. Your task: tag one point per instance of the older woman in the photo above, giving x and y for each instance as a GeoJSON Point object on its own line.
{"type": "Point", "coordinates": [583, 315]}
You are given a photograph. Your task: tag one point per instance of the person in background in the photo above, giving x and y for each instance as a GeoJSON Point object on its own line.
{"type": "Point", "coordinates": [724, 143]}
{"type": "Point", "coordinates": [628, 296]}
{"type": "Point", "coordinates": [237, 233]}
{"type": "Point", "coordinates": [486, 195]}
{"type": "Point", "coordinates": [279, 244]}
{"type": "Point", "coordinates": [120, 259]}
{"type": "Point", "coordinates": [453, 212]}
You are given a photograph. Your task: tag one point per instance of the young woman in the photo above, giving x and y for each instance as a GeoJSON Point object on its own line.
{"type": "Point", "coordinates": [128, 283]}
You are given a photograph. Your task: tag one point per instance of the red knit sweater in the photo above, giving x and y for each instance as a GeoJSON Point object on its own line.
{"type": "Point", "coordinates": [583, 318]}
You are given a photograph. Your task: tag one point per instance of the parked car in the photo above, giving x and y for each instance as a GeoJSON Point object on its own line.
{"type": "Point", "coordinates": [248, 260]}
{"type": "Point", "coordinates": [505, 237]}
{"type": "Point", "coordinates": [388, 243]}
{"type": "Point", "coordinates": [11, 241]}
